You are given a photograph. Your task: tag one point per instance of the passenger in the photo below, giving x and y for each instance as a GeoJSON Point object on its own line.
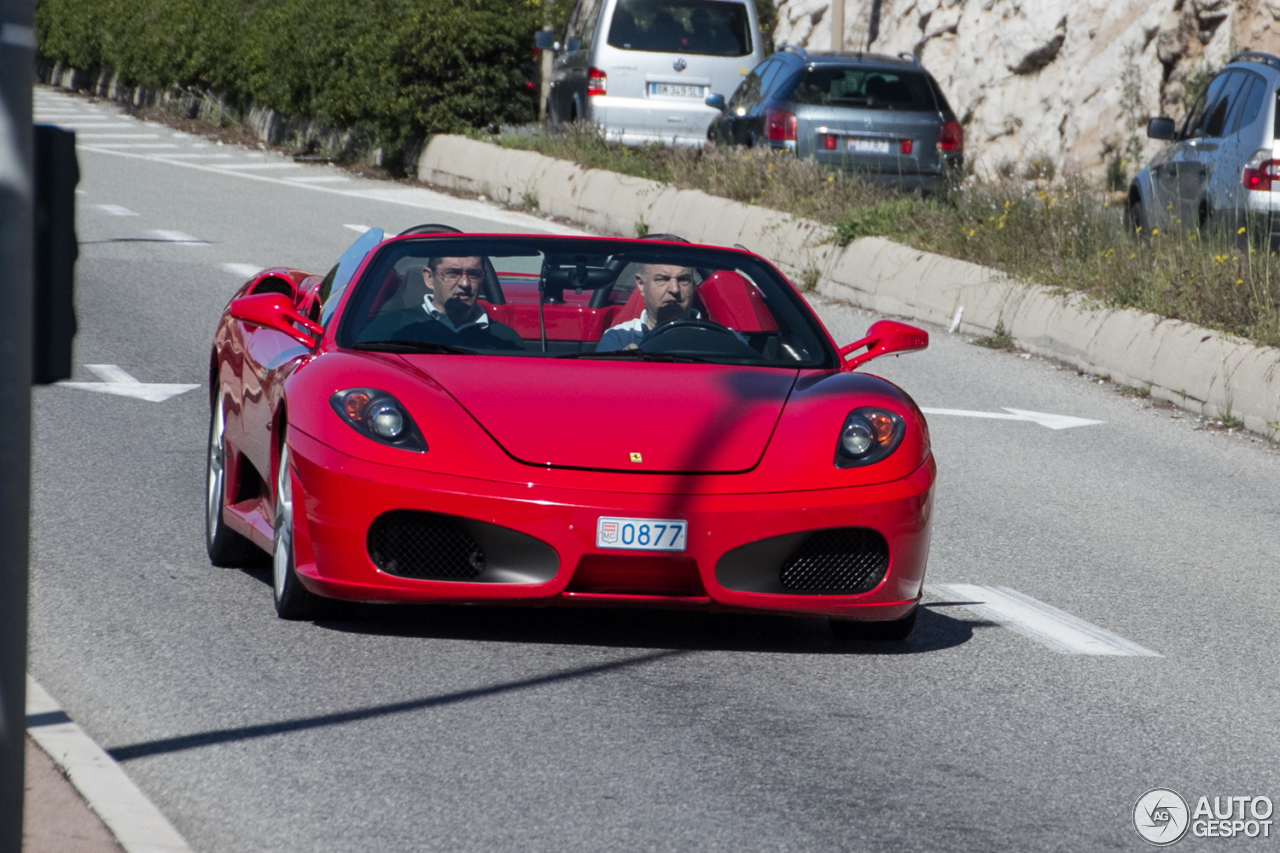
{"type": "Point", "coordinates": [668, 295]}
{"type": "Point", "coordinates": [452, 316]}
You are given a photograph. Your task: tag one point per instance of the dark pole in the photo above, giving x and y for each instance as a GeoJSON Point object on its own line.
{"type": "Point", "coordinates": [17, 74]}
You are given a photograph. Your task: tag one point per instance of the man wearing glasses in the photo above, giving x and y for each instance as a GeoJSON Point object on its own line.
{"type": "Point", "coordinates": [453, 317]}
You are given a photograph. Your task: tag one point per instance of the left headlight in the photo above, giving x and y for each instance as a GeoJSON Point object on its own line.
{"type": "Point", "coordinates": [377, 415]}
{"type": "Point", "coordinates": [868, 435]}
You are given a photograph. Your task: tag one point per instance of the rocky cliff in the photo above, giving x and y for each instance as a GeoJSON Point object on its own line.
{"type": "Point", "coordinates": [1064, 82]}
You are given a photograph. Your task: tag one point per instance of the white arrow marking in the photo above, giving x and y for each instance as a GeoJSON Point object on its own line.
{"type": "Point", "coordinates": [116, 381]}
{"type": "Point", "coordinates": [1050, 421]}
{"type": "Point", "coordinates": [1047, 625]}
{"type": "Point", "coordinates": [359, 229]}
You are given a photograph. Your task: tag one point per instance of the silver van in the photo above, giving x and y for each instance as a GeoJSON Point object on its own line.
{"type": "Point", "coordinates": [641, 69]}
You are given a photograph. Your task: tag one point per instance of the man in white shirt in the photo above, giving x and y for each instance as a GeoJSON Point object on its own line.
{"type": "Point", "coordinates": [452, 316]}
{"type": "Point", "coordinates": [668, 295]}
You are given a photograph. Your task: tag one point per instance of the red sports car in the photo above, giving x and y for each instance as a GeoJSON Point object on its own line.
{"type": "Point", "coordinates": [526, 419]}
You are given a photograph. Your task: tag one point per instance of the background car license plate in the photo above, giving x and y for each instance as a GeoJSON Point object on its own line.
{"type": "Point", "coordinates": [869, 146]}
{"type": "Point", "coordinates": [641, 534]}
{"type": "Point", "coordinates": [675, 90]}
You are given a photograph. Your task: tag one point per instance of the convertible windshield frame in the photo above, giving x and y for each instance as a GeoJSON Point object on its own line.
{"type": "Point", "coordinates": [573, 265]}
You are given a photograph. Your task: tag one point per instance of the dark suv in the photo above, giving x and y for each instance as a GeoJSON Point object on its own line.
{"type": "Point", "coordinates": [882, 117]}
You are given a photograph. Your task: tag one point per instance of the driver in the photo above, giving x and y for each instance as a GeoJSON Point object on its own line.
{"type": "Point", "coordinates": [668, 295]}
{"type": "Point", "coordinates": [452, 316]}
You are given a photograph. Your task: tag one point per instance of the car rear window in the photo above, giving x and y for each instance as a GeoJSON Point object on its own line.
{"type": "Point", "coordinates": [865, 88]}
{"type": "Point", "coordinates": [706, 27]}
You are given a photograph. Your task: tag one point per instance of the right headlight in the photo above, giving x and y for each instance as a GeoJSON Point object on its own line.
{"type": "Point", "coordinates": [868, 435]}
{"type": "Point", "coordinates": [377, 415]}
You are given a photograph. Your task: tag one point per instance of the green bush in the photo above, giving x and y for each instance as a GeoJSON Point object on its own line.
{"type": "Point", "coordinates": [391, 70]}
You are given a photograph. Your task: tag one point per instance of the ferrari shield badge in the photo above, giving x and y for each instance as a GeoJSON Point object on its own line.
{"type": "Point", "coordinates": [635, 457]}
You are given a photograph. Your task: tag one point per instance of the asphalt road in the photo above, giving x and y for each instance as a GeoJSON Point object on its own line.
{"type": "Point", "coordinates": [489, 729]}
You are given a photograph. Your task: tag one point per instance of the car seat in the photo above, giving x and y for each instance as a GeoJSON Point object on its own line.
{"type": "Point", "coordinates": [731, 300]}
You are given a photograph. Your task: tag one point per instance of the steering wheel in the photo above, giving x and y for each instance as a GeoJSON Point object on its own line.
{"type": "Point", "coordinates": [696, 336]}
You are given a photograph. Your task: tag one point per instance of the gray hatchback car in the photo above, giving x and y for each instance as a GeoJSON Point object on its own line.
{"type": "Point", "coordinates": [882, 117]}
{"type": "Point", "coordinates": [1221, 169]}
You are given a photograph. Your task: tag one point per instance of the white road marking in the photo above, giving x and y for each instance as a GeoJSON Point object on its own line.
{"type": "Point", "coordinates": [1046, 420]}
{"type": "Point", "coordinates": [135, 822]}
{"type": "Point", "coordinates": [1049, 626]}
{"type": "Point", "coordinates": [134, 145]}
{"type": "Point", "coordinates": [177, 237]}
{"type": "Point", "coordinates": [114, 209]}
{"type": "Point", "coordinates": [243, 270]}
{"type": "Point", "coordinates": [79, 125]}
{"type": "Point", "coordinates": [117, 136]}
{"type": "Point", "coordinates": [334, 180]}
{"type": "Point", "coordinates": [247, 166]}
{"type": "Point", "coordinates": [210, 156]}
{"type": "Point", "coordinates": [118, 382]}
{"type": "Point", "coordinates": [359, 229]}
{"type": "Point", "coordinates": [81, 116]}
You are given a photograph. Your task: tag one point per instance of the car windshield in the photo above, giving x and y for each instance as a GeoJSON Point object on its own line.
{"type": "Point", "coordinates": [706, 27]}
{"type": "Point", "coordinates": [865, 88]}
{"type": "Point", "coordinates": [573, 298]}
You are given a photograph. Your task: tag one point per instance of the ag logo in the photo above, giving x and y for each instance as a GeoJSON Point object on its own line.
{"type": "Point", "coordinates": [1160, 816]}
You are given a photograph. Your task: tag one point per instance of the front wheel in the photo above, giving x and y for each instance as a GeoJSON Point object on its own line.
{"type": "Point", "coordinates": [293, 600]}
{"type": "Point", "coordinates": [892, 632]}
{"type": "Point", "coordinates": [1135, 217]}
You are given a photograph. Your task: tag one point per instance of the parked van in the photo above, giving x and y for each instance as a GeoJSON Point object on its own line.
{"type": "Point", "coordinates": [641, 69]}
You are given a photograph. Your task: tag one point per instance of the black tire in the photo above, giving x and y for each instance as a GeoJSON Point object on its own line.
{"type": "Point", "coordinates": [889, 632]}
{"type": "Point", "coordinates": [226, 548]}
{"type": "Point", "coordinates": [293, 601]}
{"type": "Point", "coordinates": [1135, 217]}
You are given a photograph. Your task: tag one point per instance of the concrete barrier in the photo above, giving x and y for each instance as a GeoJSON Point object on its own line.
{"type": "Point", "coordinates": [1195, 368]}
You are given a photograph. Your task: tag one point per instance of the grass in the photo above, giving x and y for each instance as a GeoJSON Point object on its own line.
{"type": "Point", "coordinates": [999, 338]}
{"type": "Point", "coordinates": [1058, 230]}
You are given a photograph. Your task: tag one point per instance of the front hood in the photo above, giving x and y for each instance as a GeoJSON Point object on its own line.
{"type": "Point", "coordinates": [686, 418]}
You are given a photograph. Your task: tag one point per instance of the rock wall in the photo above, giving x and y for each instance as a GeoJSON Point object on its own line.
{"type": "Point", "coordinates": [1071, 82]}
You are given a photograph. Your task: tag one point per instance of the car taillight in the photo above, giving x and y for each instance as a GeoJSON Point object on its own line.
{"type": "Point", "coordinates": [780, 125]}
{"type": "Point", "coordinates": [951, 137]}
{"type": "Point", "coordinates": [597, 82]}
{"type": "Point", "coordinates": [828, 141]}
{"type": "Point", "coordinates": [1260, 171]}
{"type": "Point", "coordinates": [906, 146]}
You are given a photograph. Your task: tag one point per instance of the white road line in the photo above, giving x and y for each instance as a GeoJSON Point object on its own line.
{"type": "Point", "coordinates": [118, 382]}
{"type": "Point", "coordinates": [1049, 626]}
{"type": "Point", "coordinates": [177, 237]}
{"type": "Point", "coordinates": [194, 156]}
{"type": "Point", "coordinates": [359, 229]}
{"type": "Point", "coordinates": [78, 125]}
{"type": "Point", "coordinates": [114, 209]}
{"type": "Point", "coordinates": [132, 145]}
{"type": "Point", "coordinates": [80, 116]}
{"type": "Point", "coordinates": [1047, 420]}
{"type": "Point", "coordinates": [133, 819]}
{"type": "Point", "coordinates": [255, 166]}
{"type": "Point", "coordinates": [117, 136]}
{"type": "Point", "coordinates": [243, 270]}
{"type": "Point", "coordinates": [334, 180]}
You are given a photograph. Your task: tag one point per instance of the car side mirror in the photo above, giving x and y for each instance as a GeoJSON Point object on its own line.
{"type": "Point", "coordinates": [572, 43]}
{"type": "Point", "coordinates": [545, 40]}
{"type": "Point", "coordinates": [275, 311]}
{"type": "Point", "coordinates": [716, 102]}
{"type": "Point", "coordinates": [1160, 127]}
{"type": "Point", "coordinates": [884, 337]}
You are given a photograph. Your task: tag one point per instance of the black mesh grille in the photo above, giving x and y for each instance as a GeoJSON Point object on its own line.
{"type": "Point", "coordinates": [845, 560]}
{"type": "Point", "coordinates": [423, 545]}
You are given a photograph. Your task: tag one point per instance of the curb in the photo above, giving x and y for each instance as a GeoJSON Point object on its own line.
{"type": "Point", "coordinates": [1193, 367]}
{"type": "Point", "coordinates": [136, 823]}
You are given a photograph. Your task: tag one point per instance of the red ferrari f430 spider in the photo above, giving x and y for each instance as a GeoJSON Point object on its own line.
{"type": "Point", "coordinates": [526, 419]}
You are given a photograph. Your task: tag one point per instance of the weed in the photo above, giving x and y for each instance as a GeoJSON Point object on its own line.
{"type": "Point", "coordinates": [809, 278]}
{"type": "Point", "coordinates": [999, 339]}
{"type": "Point", "coordinates": [529, 201]}
{"type": "Point", "coordinates": [642, 227]}
{"type": "Point", "coordinates": [1273, 427]}
{"type": "Point", "coordinates": [1130, 391]}
{"type": "Point", "coordinates": [1228, 419]}
{"type": "Point", "coordinates": [1039, 167]}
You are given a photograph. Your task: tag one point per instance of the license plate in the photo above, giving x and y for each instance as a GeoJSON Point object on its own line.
{"type": "Point", "coordinates": [869, 146]}
{"type": "Point", "coordinates": [641, 534]}
{"type": "Point", "coordinates": [675, 90]}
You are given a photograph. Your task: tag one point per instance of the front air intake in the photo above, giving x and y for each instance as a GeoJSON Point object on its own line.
{"type": "Point", "coordinates": [424, 546]}
{"type": "Point", "coordinates": [843, 560]}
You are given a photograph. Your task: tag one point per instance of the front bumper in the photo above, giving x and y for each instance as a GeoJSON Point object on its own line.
{"type": "Point", "coordinates": [338, 497]}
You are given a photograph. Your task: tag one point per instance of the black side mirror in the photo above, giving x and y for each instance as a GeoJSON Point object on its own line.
{"type": "Point", "coordinates": [716, 102]}
{"type": "Point", "coordinates": [1160, 127]}
{"type": "Point", "coordinates": [545, 40]}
